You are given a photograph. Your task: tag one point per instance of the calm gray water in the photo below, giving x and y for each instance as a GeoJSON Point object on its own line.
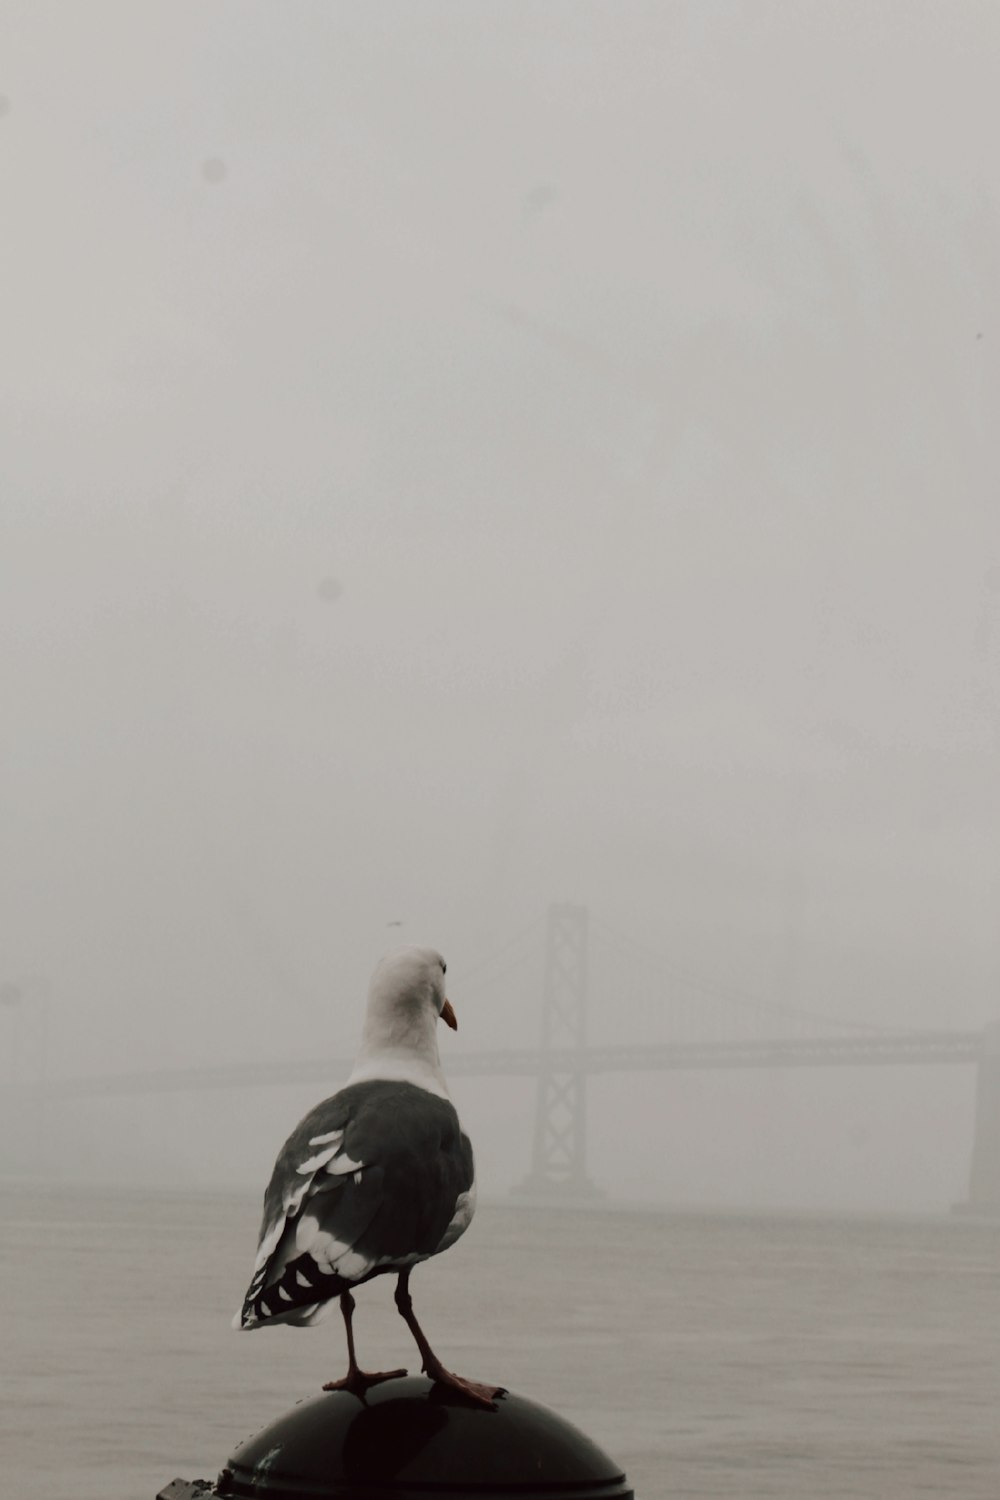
{"type": "Point", "coordinates": [713, 1356]}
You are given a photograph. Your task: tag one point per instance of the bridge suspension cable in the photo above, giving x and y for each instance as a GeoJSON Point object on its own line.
{"type": "Point", "coordinates": [478, 977]}
{"type": "Point", "coordinates": [735, 999]}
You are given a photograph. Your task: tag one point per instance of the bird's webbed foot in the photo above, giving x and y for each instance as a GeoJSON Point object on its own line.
{"type": "Point", "coordinates": [475, 1390]}
{"type": "Point", "coordinates": [358, 1381]}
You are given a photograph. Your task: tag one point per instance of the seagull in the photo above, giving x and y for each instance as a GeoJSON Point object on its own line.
{"type": "Point", "coordinates": [372, 1181]}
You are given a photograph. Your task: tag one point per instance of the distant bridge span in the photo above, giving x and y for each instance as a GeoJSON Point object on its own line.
{"type": "Point", "coordinates": [877, 1048]}
{"type": "Point", "coordinates": [564, 1061]}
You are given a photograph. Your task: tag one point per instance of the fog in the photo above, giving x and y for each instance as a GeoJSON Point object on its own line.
{"type": "Point", "coordinates": [457, 458]}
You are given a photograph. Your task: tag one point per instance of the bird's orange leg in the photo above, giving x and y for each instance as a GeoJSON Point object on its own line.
{"type": "Point", "coordinates": [482, 1395]}
{"type": "Point", "coordinates": [357, 1381]}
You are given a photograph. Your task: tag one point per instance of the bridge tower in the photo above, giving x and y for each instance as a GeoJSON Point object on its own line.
{"type": "Point", "coordinates": [984, 1179]}
{"type": "Point", "coordinates": [559, 1153]}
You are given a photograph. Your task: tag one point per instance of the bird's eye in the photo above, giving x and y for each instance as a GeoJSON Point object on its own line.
{"type": "Point", "coordinates": [444, 967]}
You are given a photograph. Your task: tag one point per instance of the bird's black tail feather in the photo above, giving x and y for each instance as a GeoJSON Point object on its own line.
{"type": "Point", "coordinates": [291, 1297]}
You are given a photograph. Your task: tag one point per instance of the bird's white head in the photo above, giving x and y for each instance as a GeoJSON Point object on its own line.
{"type": "Point", "coordinates": [406, 999]}
{"type": "Point", "coordinates": [407, 983]}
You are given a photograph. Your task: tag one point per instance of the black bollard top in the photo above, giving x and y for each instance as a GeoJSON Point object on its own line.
{"type": "Point", "coordinates": [413, 1438]}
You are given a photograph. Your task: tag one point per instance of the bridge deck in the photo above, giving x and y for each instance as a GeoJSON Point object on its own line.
{"type": "Point", "coordinates": [865, 1050]}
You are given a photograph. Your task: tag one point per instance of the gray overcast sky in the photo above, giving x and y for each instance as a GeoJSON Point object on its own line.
{"type": "Point", "coordinates": [633, 371]}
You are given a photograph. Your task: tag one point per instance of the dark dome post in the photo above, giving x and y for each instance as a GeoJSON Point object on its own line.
{"type": "Point", "coordinates": [413, 1438]}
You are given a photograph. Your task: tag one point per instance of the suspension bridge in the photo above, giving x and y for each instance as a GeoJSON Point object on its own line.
{"type": "Point", "coordinates": [710, 1027]}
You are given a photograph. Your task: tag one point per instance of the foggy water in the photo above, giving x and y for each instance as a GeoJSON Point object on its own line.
{"type": "Point", "coordinates": [712, 1356]}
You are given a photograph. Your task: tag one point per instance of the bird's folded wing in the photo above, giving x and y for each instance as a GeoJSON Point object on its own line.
{"type": "Point", "coordinates": [313, 1168]}
{"type": "Point", "coordinates": [369, 1179]}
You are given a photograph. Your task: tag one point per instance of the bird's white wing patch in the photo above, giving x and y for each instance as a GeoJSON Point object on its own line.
{"type": "Point", "coordinates": [306, 1231]}
{"type": "Point", "coordinates": [268, 1242]}
{"type": "Point", "coordinates": [333, 1138]}
{"type": "Point", "coordinates": [465, 1207]}
{"type": "Point", "coordinates": [342, 1165]}
{"type": "Point", "coordinates": [310, 1167]}
{"type": "Point", "coordinates": [330, 1254]}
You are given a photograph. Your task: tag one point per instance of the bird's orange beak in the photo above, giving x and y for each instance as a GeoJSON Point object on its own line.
{"type": "Point", "coordinates": [448, 1015]}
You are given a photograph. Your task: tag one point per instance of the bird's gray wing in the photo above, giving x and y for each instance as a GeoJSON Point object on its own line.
{"type": "Point", "coordinates": [367, 1182]}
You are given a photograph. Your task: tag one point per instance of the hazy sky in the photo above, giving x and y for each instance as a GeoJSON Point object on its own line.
{"type": "Point", "coordinates": [459, 456]}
